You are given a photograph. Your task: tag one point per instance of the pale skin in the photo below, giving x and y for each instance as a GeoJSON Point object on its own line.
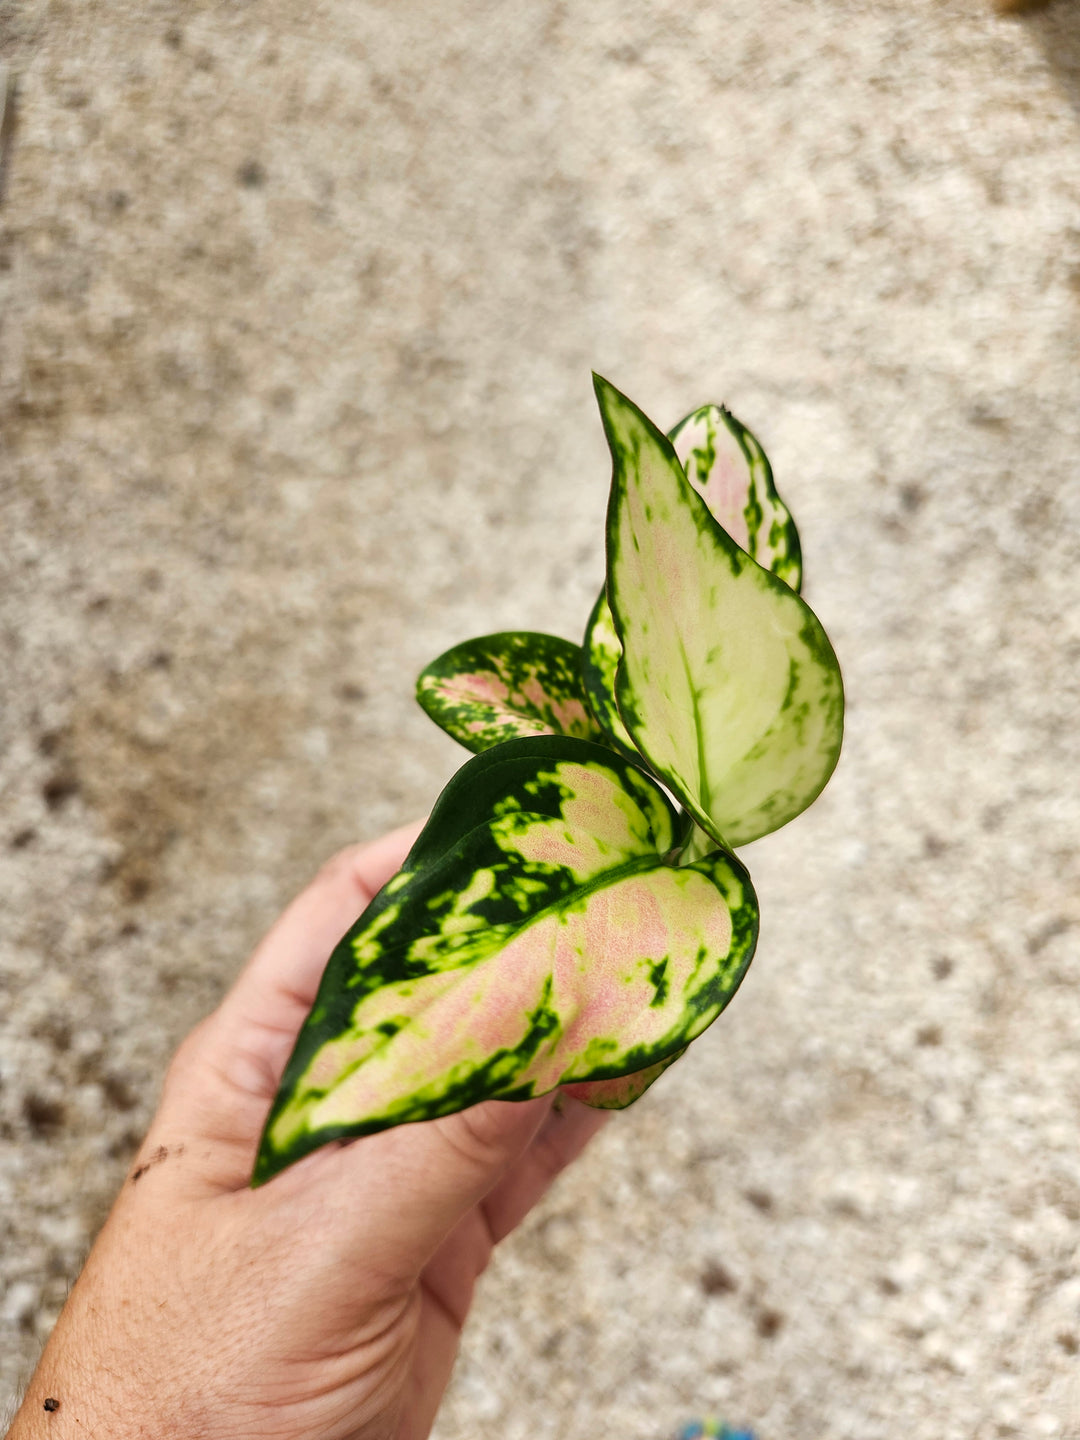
{"type": "Point", "coordinates": [326, 1305]}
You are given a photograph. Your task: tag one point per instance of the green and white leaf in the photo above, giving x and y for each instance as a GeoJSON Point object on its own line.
{"type": "Point", "coordinates": [728, 685]}
{"type": "Point", "coordinates": [534, 938]}
{"type": "Point", "coordinates": [504, 686]}
{"type": "Point", "coordinates": [731, 472]}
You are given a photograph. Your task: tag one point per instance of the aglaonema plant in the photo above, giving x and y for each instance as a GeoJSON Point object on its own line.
{"type": "Point", "coordinates": [572, 915]}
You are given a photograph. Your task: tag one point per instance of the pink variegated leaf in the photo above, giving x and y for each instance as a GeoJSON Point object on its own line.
{"type": "Point", "coordinates": [727, 467]}
{"type": "Point", "coordinates": [536, 937]}
{"type": "Point", "coordinates": [731, 472]}
{"type": "Point", "coordinates": [502, 687]}
{"type": "Point", "coordinates": [727, 686]}
{"type": "Point", "coordinates": [621, 1092]}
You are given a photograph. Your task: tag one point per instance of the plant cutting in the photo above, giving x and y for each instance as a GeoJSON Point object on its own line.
{"type": "Point", "coordinates": [573, 915]}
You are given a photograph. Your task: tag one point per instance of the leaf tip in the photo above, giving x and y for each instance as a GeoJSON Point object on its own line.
{"type": "Point", "coordinates": [605, 391]}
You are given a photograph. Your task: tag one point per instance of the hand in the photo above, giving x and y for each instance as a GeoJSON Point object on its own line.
{"type": "Point", "coordinates": [327, 1304]}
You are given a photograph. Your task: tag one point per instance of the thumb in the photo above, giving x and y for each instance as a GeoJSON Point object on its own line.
{"type": "Point", "coordinates": [400, 1193]}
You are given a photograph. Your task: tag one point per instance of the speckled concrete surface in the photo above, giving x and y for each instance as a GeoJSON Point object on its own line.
{"type": "Point", "coordinates": [297, 319]}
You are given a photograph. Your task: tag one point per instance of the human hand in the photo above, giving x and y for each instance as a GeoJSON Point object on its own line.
{"type": "Point", "coordinates": [328, 1303]}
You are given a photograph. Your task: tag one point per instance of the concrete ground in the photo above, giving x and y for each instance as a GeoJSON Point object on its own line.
{"type": "Point", "coordinates": [298, 311]}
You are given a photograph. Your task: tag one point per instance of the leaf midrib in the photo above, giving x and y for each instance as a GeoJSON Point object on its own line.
{"type": "Point", "coordinates": [608, 877]}
{"type": "Point", "coordinates": [703, 766]}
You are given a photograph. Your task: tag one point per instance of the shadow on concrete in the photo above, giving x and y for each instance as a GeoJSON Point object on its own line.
{"type": "Point", "coordinates": [1057, 28]}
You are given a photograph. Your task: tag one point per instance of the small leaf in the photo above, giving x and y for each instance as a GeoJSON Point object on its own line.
{"type": "Point", "coordinates": [731, 472]}
{"type": "Point", "coordinates": [504, 686]}
{"type": "Point", "coordinates": [728, 685]}
{"type": "Point", "coordinates": [600, 656]}
{"type": "Point", "coordinates": [621, 1092]}
{"type": "Point", "coordinates": [534, 938]}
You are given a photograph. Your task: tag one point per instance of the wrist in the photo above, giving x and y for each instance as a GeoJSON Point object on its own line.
{"type": "Point", "coordinates": [89, 1382]}
{"type": "Point", "coordinates": [69, 1395]}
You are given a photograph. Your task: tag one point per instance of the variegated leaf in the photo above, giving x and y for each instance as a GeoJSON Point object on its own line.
{"type": "Point", "coordinates": [503, 686]}
{"type": "Point", "coordinates": [731, 472]}
{"type": "Point", "coordinates": [698, 844]}
{"type": "Point", "coordinates": [600, 656]}
{"type": "Point", "coordinates": [617, 1094]}
{"type": "Point", "coordinates": [534, 938]}
{"type": "Point", "coordinates": [728, 685]}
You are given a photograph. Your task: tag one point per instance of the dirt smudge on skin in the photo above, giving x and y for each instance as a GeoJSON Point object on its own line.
{"type": "Point", "coordinates": [159, 1156]}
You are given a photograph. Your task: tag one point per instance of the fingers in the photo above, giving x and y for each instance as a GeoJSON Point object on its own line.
{"type": "Point", "coordinates": [277, 986]}
{"type": "Point", "coordinates": [435, 1350]}
{"type": "Point", "coordinates": [410, 1186]}
{"type": "Point", "coordinates": [397, 1195]}
{"type": "Point", "coordinates": [227, 1071]}
{"type": "Point", "coordinates": [450, 1276]}
{"type": "Point", "coordinates": [255, 1026]}
{"type": "Point", "coordinates": [566, 1131]}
